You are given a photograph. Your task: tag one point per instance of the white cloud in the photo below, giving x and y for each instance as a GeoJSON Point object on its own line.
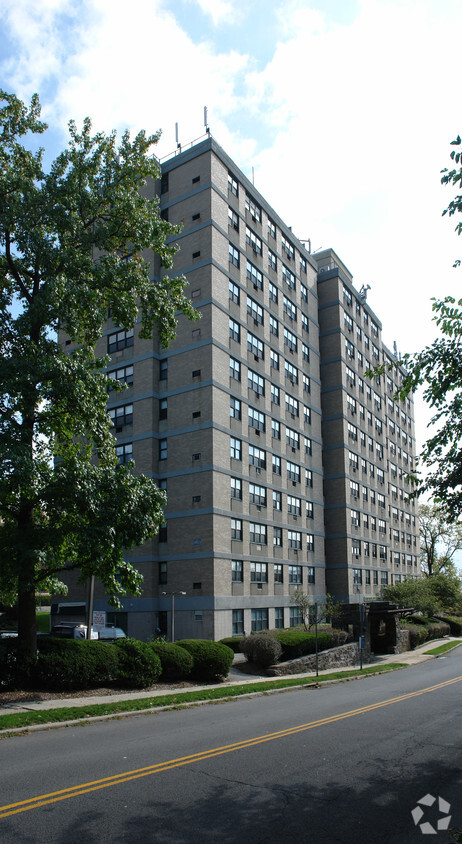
{"type": "Point", "coordinates": [220, 11]}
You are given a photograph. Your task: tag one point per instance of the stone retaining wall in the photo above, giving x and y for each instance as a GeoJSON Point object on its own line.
{"type": "Point", "coordinates": [343, 655]}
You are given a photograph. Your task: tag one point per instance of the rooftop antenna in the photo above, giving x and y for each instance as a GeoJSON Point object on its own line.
{"type": "Point", "coordinates": [206, 122]}
{"type": "Point", "coordinates": [308, 241]}
{"type": "Point", "coordinates": [363, 292]}
{"type": "Point", "coordinates": [178, 145]}
{"type": "Point", "coordinates": [253, 176]}
{"type": "Point", "coordinates": [395, 348]}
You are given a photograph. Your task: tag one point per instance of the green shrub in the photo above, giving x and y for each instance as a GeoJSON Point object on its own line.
{"type": "Point", "coordinates": [422, 630]}
{"type": "Point", "coordinates": [262, 648]}
{"type": "Point", "coordinates": [232, 642]}
{"type": "Point", "coordinates": [297, 643]}
{"type": "Point", "coordinates": [9, 677]}
{"type": "Point", "coordinates": [68, 664]}
{"type": "Point", "coordinates": [455, 624]}
{"type": "Point", "coordinates": [212, 660]}
{"type": "Point", "coordinates": [139, 665]}
{"type": "Point", "coordinates": [176, 662]}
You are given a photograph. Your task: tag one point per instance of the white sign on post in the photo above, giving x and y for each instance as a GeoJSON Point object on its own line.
{"type": "Point", "coordinates": [99, 619]}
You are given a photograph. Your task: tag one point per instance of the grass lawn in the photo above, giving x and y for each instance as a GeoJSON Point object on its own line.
{"type": "Point", "coordinates": [442, 649]}
{"type": "Point", "coordinates": [43, 622]}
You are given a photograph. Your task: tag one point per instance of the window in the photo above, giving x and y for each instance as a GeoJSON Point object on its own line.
{"type": "Point", "coordinates": [255, 346]}
{"type": "Point", "coordinates": [302, 264]}
{"type": "Point", "coordinates": [308, 477]}
{"type": "Point", "coordinates": [122, 415]}
{"type": "Point", "coordinates": [237, 571]}
{"type": "Point", "coordinates": [272, 262]}
{"type": "Point", "coordinates": [120, 340]}
{"type": "Point", "coordinates": [274, 326]}
{"type": "Point", "coordinates": [236, 529]}
{"type": "Point", "coordinates": [293, 472]}
{"type": "Point", "coordinates": [310, 542]}
{"type": "Point", "coordinates": [292, 438]}
{"type": "Point", "coordinates": [306, 415]}
{"type": "Point", "coordinates": [278, 618]}
{"type": "Point", "coordinates": [258, 572]}
{"type": "Point", "coordinates": [291, 372]}
{"type": "Point", "coordinates": [287, 248]}
{"type": "Point", "coordinates": [275, 429]}
{"type": "Point", "coordinates": [162, 572]}
{"type": "Point", "coordinates": [256, 419]}
{"type": "Point", "coordinates": [234, 293]}
{"type": "Point", "coordinates": [234, 369]}
{"type": "Point", "coordinates": [257, 495]}
{"type": "Point", "coordinates": [309, 510]}
{"type": "Point", "coordinates": [274, 358]}
{"type": "Point", "coordinates": [295, 617]}
{"type": "Point", "coordinates": [236, 488]}
{"type": "Point", "coordinates": [253, 209]}
{"type": "Point", "coordinates": [271, 229]}
{"type": "Point", "coordinates": [289, 277]}
{"type": "Point", "coordinates": [277, 537]}
{"type": "Point", "coordinates": [258, 620]}
{"type": "Point", "coordinates": [257, 457]}
{"type": "Point", "coordinates": [253, 241]}
{"type": "Point", "coordinates": [234, 408]}
{"type": "Point", "coordinates": [196, 254]}
{"type": "Point", "coordinates": [235, 448]}
{"type": "Point", "coordinates": [163, 449]}
{"type": "Point", "coordinates": [311, 574]}
{"type": "Point", "coordinates": [276, 464]}
{"type": "Point", "coordinates": [234, 331]}
{"type": "Point", "coordinates": [294, 505]}
{"type": "Point", "coordinates": [275, 394]}
{"type": "Point", "coordinates": [291, 405]}
{"type": "Point", "coordinates": [289, 309]}
{"type": "Point", "coordinates": [232, 185]}
{"type": "Point", "coordinates": [163, 409]}
{"type": "Point", "coordinates": [305, 323]}
{"type": "Point", "coordinates": [384, 578]}
{"type": "Point", "coordinates": [306, 384]}
{"type": "Point", "coordinates": [294, 539]}
{"type": "Point", "coordinates": [357, 577]}
{"type": "Point", "coordinates": [256, 382]}
{"type": "Point", "coordinates": [254, 276]}
{"type": "Point", "coordinates": [238, 622]}
{"type": "Point", "coordinates": [277, 500]}
{"type": "Point", "coordinates": [234, 256]}
{"type": "Point", "coordinates": [255, 311]}
{"type": "Point", "coordinates": [124, 452]}
{"type": "Point", "coordinates": [124, 374]}
{"type": "Point", "coordinates": [233, 219]}
{"type": "Point", "coordinates": [290, 340]}
{"type": "Point", "coordinates": [164, 183]}
{"type": "Point", "coordinates": [295, 574]}
{"type": "Point", "coordinates": [305, 352]}
{"type": "Point", "coordinates": [273, 292]}
{"type": "Point", "coordinates": [196, 217]}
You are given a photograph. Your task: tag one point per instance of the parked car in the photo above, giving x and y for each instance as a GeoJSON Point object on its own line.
{"type": "Point", "coordinates": [69, 630]}
{"type": "Point", "coordinates": [109, 634]}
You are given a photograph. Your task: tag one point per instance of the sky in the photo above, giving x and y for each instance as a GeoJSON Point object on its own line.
{"type": "Point", "coordinates": [345, 110]}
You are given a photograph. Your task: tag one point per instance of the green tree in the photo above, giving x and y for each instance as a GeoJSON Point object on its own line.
{"type": "Point", "coordinates": [439, 539]}
{"type": "Point", "coordinates": [429, 595]}
{"type": "Point", "coordinates": [438, 368]}
{"type": "Point", "coordinates": [74, 242]}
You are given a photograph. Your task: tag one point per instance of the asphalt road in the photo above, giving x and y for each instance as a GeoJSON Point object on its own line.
{"type": "Point", "coordinates": [345, 763]}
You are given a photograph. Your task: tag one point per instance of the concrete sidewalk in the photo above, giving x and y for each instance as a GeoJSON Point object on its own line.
{"type": "Point", "coordinates": [235, 677]}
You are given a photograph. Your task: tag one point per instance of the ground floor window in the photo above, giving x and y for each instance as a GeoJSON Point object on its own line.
{"type": "Point", "coordinates": [259, 620]}
{"type": "Point", "coordinates": [238, 622]}
{"type": "Point", "coordinates": [296, 617]}
{"type": "Point", "coordinates": [279, 617]}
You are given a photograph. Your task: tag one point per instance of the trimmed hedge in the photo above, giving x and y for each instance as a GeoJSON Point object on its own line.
{"type": "Point", "coordinates": [262, 648]}
{"type": "Point", "coordinates": [455, 624]}
{"type": "Point", "coordinates": [212, 660]}
{"type": "Point", "coordinates": [139, 665]}
{"type": "Point", "coordinates": [297, 643]}
{"type": "Point", "coordinates": [423, 630]}
{"type": "Point", "coordinates": [176, 662]}
{"type": "Point", "coordinates": [69, 664]}
{"type": "Point", "coordinates": [232, 642]}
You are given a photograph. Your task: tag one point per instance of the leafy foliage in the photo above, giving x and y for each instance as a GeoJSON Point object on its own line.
{"type": "Point", "coordinates": [262, 648]}
{"type": "Point", "coordinates": [428, 595]}
{"type": "Point", "coordinates": [212, 660]}
{"type": "Point", "coordinates": [67, 664]}
{"type": "Point", "coordinates": [139, 665]}
{"type": "Point", "coordinates": [297, 643]}
{"type": "Point", "coordinates": [423, 630]}
{"type": "Point", "coordinates": [74, 242]}
{"type": "Point", "coordinates": [439, 539]}
{"type": "Point", "coordinates": [176, 662]}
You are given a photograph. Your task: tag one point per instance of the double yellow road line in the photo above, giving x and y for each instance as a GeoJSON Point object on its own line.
{"type": "Point", "coordinates": [137, 773]}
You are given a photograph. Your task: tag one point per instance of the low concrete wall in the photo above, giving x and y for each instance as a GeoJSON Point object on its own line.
{"type": "Point", "coordinates": [403, 641]}
{"type": "Point", "coordinates": [343, 655]}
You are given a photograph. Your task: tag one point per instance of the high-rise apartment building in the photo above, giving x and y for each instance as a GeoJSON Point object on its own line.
{"type": "Point", "coordinates": [232, 417]}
